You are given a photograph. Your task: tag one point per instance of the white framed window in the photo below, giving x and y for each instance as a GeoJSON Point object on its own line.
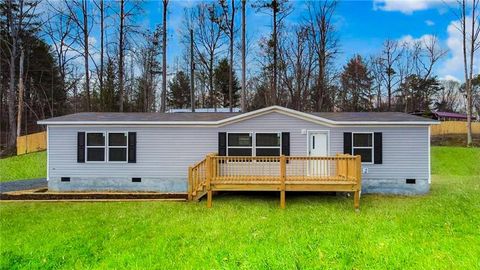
{"type": "Point", "coordinates": [254, 144]}
{"type": "Point", "coordinates": [106, 146]}
{"type": "Point", "coordinates": [362, 144]}
{"type": "Point", "coordinates": [95, 146]}
{"type": "Point", "coordinates": [239, 144]}
{"type": "Point", "coordinates": [268, 144]}
{"type": "Point", "coordinates": [117, 146]}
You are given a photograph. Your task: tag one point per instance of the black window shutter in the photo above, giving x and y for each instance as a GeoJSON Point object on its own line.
{"type": "Point", "coordinates": [378, 148]}
{"type": "Point", "coordinates": [132, 147]}
{"type": "Point", "coordinates": [81, 147]}
{"type": "Point", "coordinates": [347, 143]}
{"type": "Point", "coordinates": [222, 143]}
{"type": "Point", "coordinates": [286, 143]}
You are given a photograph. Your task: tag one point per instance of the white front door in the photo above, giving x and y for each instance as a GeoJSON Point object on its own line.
{"type": "Point", "coordinates": [318, 147]}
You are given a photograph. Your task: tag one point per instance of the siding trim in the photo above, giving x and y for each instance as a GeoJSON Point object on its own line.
{"type": "Point", "coordinates": [48, 154]}
{"type": "Point", "coordinates": [429, 159]}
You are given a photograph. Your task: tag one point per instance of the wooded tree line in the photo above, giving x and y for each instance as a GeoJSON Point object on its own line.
{"type": "Point", "coordinates": [69, 56]}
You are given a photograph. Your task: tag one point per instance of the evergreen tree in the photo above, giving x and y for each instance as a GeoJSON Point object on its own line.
{"type": "Point", "coordinates": [221, 84]}
{"type": "Point", "coordinates": [416, 93]}
{"type": "Point", "coordinates": [356, 86]}
{"type": "Point", "coordinates": [179, 94]}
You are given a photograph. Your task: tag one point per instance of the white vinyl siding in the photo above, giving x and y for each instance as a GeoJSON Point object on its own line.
{"type": "Point", "coordinates": [165, 152]}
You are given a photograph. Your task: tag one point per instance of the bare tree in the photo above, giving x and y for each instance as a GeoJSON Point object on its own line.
{"type": "Point", "coordinates": [127, 31]}
{"type": "Point", "coordinates": [26, 11]}
{"type": "Point", "coordinates": [376, 70]}
{"type": "Point", "coordinates": [59, 27]}
{"type": "Point", "coordinates": [391, 54]}
{"type": "Point", "coordinates": [19, 16]}
{"type": "Point", "coordinates": [100, 4]}
{"type": "Point", "coordinates": [470, 44]}
{"type": "Point", "coordinates": [447, 99]}
{"type": "Point", "coordinates": [297, 58]}
{"type": "Point", "coordinates": [418, 59]}
{"type": "Point", "coordinates": [207, 41]}
{"type": "Point", "coordinates": [79, 13]}
{"type": "Point", "coordinates": [164, 57]}
{"type": "Point", "coordinates": [121, 56]}
{"type": "Point", "coordinates": [326, 47]}
{"type": "Point", "coordinates": [228, 26]}
{"type": "Point", "coordinates": [149, 66]}
{"type": "Point", "coordinates": [279, 10]}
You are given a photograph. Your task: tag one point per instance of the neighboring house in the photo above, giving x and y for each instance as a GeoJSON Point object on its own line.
{"type": "Point", "coordinates": [449, 116]}
{"type": "Point", "coordinates": [153, 151]}
{"type": "Point", "coordinates": [445, 116]}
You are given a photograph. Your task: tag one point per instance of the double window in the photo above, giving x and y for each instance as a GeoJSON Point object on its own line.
{"type": "Point", "coordinates": [111, 146]}
{"type": "Point", "coordinates": [363, 145]}
{"type": "Point", "coordinates": [254, 144]}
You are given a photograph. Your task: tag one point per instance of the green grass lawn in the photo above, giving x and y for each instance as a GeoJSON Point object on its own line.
{"type": "Point", "coordinates": [23, 167]}
{"type": "Point", "coordinates": [436, 231]}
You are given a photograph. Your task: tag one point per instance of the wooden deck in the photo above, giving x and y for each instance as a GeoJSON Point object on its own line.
{"type": "Point", "coordinates": [282, 173]}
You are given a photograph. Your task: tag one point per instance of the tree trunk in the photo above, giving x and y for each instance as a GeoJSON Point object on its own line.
{"type": "Point", "coordinates": [86, 53]}
{"type": "Point", "coordinates": [230, 75]}
{"type": "Point", "coordinates": [389, 90]}
{"type": "Point", "coordinates": [164, 58]}
{"type": "Point", "coordinates": [11, 101]}
{"type": "Point", "coordinates": [465, 65]}
{"type": "Point", "coordinates": [213, 99]}
{"type": "Point", "coordinates": [121, 52]}
{"type": "Point", "coordinates": [243, 97]}
{"type": "Point", "coordinates": [192, 82]}
{"type": "Point", "coordinates": [274, 83]}
{"type": "Point", "coordinates": [102, 21]}
{"type": "Point", "coordinates": [11, 96]}
{"type": "Point", "coordinates": [21, 91]}
{"type": "Point", "coordinates": [470, 76]}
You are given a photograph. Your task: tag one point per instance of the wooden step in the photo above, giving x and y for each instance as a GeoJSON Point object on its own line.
{"type": "Point", "coordinates": [199, 195]}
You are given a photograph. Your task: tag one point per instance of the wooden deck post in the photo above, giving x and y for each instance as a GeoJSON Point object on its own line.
{"type": "Point", "coordinates": [190, 183]}
{"type": "Point", "coordinates": [356, 200]}
{"type": "Point", "coordinates": [283, 176]}
{"type": "Point", "coordinates": [208, 174]}
{"type": "Point", "coordinates": [209, 199]}
{"type": "Point", "coordinates": [358, 179]}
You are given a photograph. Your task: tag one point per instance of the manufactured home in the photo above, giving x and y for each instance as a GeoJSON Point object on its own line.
{"type": "Point", "coordinates": [383, 152]}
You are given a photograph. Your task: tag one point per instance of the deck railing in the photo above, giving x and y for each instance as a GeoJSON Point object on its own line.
{"type": "Point", "coordinates": [282, 173]}
{"type": "Point", "coordinates": [258, 170]}
{"type": "Point", "coordinates": [197, 178]}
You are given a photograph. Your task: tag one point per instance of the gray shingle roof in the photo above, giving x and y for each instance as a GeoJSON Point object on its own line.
{"type": "Point", "coordinates": [147, 117]}
{"type": "Point", "coordinates": [191, 118]}
{"type": "Point", "coordinates": [371, 116]}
